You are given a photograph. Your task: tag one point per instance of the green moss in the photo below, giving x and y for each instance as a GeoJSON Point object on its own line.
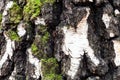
{"type": "Point", "coordinates": [0, 21]}
{"type": "Point", "coordinates": [0, 17]}
{"type": "Point", "coordinates": [49, 66]}
{"type": "Point", "coordinates": [45, 38]}
{"type": "Point", "coordinates": [39, 53]}
{"type": "Point", "coordinates": [31, 9]}
{"type": "Point", "coordinates": [49, 69]}
{"type": "Point", "coordinates": [15, 13]}
{"type": "Point", "coordinates": [42, 28]}
{"type": "Point", "coordinates": [45, 35]}
{"type": "Point", "coordinates": [34, 48]}
{"type": "Point", "coordinates": [40, 45]}
{"type": "Point", "coordinates": [47, 1]}
{"type": "Point", "coordinates": [52, 77]}
{"type": "Point", "coordinates": [13, 35]}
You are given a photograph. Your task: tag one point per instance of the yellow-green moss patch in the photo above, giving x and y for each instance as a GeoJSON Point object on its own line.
{"type": "Point", "coordinates": [45, 35]}
{"type": "Point", "coordinates": [40, 43]}
{"type": "Point", "coordinates": [52, 77]}
{"type": "Point", "coordinates": [13, 35]}
{"type": "Point", "coordinates": [45, 38]}
{"type": "Point", "coordinates": [34, 48]}
{"type": "Point", "coordinates": [0, 17]}
{"type": "Point", "coordinates": [31, 9]}
{"type": "Point", "coordinates": [37, 51]}
{"type": "Point", "coordinates": [50, 69]}
{"type": "Point", "coordinates": [15, 13]}
{"type": "Point", "coordinates": [0, 20]}
{"type": "Point", "coordinates": [47, 1]}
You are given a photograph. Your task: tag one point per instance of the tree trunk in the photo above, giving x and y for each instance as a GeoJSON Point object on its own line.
{"type": "Point", "coordinates": [59, 39]}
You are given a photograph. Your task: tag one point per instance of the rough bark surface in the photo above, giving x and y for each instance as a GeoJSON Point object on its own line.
{"type": "Point", "coordinates": [59, 39]}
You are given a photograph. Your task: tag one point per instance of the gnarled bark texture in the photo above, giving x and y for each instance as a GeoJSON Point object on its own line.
{"type": "Point", "coordinates": [59, 39]}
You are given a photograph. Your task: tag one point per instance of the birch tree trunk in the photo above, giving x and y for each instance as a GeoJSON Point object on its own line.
{"type": "Point", "coordinates": [59, 39]}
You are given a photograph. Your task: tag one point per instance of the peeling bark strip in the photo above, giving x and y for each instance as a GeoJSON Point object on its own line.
{"type": "Point", "coordinates": [89, 41]}
{"type": "Point", "coordinates": [75, 43]}
{"type": "Point", "coordinates": [59, 39]}
{"type": "Point", "coordinates": [36, 63]}
{"type": "Point", "coordinates": [10, 46]}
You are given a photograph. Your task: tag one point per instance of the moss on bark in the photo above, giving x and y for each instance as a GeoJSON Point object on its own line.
{"type": "Point", "coordinates": [50, 69]}
{"type": "Point", "coordinates": [33, 7]}
{"type": "Point", "coordinates": [41, 42]}
{"type": "Point", "coordinates": [15, 13]}
{"type": "Point", "coordinates": [13, 35]}
{"type": "Point", "coordinates": [0, 20]}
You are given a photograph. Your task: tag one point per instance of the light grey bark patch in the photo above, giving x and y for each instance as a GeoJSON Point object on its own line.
{"type": "Point", "coordinates": [39, 21]}
{"type": "Point", "coordinates": [21, 29]}
{"type": "Point", "coordinates": [116, 12]}
{"type": "Point", "coordinates": [117, 52]}
{"type": "Point", "coordinates": [30, 69]}
{"type": "Point", "coordinates": [81, 30]}
{"type": "Point", "coordinates": [10, 46]}
{"type": "Point", "coordinates": [2, 5]}
{"type": "Point", "coordinates": [73, 67]}
{"type": "Point", "coordinates": [93, 78]}
{"type": "Point", "coordinates": [113, 31]}
{"type": "Point", "coordinates": [5, 18]}
{"type": "Point", "coordinates": [36, 63]}
{"type": "Point", "coordinates": [78, 42]}
{"type": "Point", "coordinates": [106, 19]}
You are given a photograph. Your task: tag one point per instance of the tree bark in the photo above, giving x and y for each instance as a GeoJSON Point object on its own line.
{"type": "Point", "coordinates": [59, 39]}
